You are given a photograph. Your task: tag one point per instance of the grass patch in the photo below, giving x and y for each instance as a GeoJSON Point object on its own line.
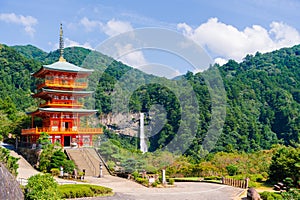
{"type": "Point", "coordinates": [187, 179]}
{"type": "Point", "coordinates": [83, 190]}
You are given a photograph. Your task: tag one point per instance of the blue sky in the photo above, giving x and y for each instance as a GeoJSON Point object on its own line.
{"type": "Point", "coordinates": [227, 29]}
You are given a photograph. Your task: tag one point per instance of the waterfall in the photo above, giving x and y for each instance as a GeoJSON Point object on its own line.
{"type": "Point", "coordinates": [143, 143]}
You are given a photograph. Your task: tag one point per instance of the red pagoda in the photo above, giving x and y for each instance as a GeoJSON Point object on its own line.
{"type": "Point", "coordinates": [63, 84]}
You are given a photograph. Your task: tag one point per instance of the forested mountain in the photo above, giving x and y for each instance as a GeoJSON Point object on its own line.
{"type": "Point", "coordinates": [263, 95]}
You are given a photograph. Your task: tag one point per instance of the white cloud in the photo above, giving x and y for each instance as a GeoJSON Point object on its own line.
{"type": "Point", "coordinates": [90, 25]}
{"type": "Point", "coordinates": [228, 42]}
{"type": "Point", "coordinates": [220, 61]}
{"type": "Point", "coordinates": [72, 43]}
{"type": "Point", "coordinates": [27, 21]}
{"type": "Point", "coordinates": [114, 27]}
{"type": "Point", "coordinates": [125, 52]}
{"type": "Point", "coordinates": [129, 56]}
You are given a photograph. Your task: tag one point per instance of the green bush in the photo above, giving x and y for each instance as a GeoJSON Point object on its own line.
{"type": "Point", "coordinates": [154, 184]}
{"type": "Point", "coordinates": [111, 165]}
{"type": "Point", "coordinates": [10, 162]}
{"type": "Point", "coordinates": [55, 171]}
{"type": "Point", "coordinates": [135, 175]}
{"type": "Point", "coordinates": [83, 190]}
{"type": "Point", "coordinates": [142, 181]}
{"type": "Point", "coordinates": [292, 194]}
{"type": "Point", "coordinates": [171, 181]}
{"type": "Point", "coordinates": [270, 196]}
{"type": "Point", "coordinates": [212, 178]}
{"type": "Point", "coordinates": [232, 169]}
{"type": "Point", "coordinates": [42, 186]}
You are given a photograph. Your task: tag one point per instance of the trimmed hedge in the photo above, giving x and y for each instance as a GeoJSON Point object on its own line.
{"type": "Point", "coordinates": [270, 196]}
{"type": "Point", "coordinates": [83, 190]}
{"type": "Point", "coordinates": [142, 181]}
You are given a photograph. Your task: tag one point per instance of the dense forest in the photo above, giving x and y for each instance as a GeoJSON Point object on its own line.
{"type": "Point", "coordinates": [262, 95]}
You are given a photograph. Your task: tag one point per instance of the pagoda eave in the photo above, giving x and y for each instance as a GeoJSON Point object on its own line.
{"type": "Point", "coordinates": [62, 67]}
{"type": "Point", "coordinates": [46, 93]}
{"type": "Point", "coordinates": [80, 112]}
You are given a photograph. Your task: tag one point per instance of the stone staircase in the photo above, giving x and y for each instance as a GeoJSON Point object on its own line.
{"type": "Point", "coordinates": [88, 159]}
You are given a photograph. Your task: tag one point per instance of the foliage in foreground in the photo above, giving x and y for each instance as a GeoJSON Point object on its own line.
{"type": "Point", "coordinates": [270, 196]}
{"type": "Point", "coordinates": [83, 190]}
{"type": "Point", "coordinates": [42, 186]}
{"type": "Point", "coordinates": [285, 164]}
{"type": "Point", "coordinates": [293, 194]}
{"type": "Point", "coordinates": [52, 156]}
{"type": "Point", "coordinates": [10, 162]}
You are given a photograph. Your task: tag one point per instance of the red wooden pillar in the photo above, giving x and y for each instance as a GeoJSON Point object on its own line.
{"type": "Point", "coordinates": [62, 140]}
{"type": "Point", "coordinates": [53, 139]}
{"type": "Point", "coordinates": [91, 140]}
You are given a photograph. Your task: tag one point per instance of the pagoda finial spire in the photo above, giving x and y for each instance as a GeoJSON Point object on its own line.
{"type": "Point", "coordinates": [61, 45]}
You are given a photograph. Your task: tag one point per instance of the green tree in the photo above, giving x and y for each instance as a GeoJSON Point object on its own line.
{"type": "Point", "coordinates": [42, 186]}
{"type": "Point", "coordinates": [284, 164]}
{"type": "Point", "coordinates": [232, 169]}
{"type": "Point", "coordinates": [9, 161]}
{"type": "Point", "coordinates": [53, 157]}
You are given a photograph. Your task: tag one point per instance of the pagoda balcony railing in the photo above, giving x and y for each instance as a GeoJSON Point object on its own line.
{"type": "Point", "coordinates": [62, 104]}
{"type": "Point", "coordinates": [38, 130]}
{"type": "Point", "coordinates": [66, 84]}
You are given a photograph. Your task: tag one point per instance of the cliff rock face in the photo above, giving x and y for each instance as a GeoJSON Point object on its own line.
{"type": "Point", "coordinates": [122, 123]}
{"type": "Point", "coordinates": [9, 186]}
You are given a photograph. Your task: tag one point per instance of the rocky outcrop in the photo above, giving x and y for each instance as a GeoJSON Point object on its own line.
{"type": "Point", "coordinates": [9, 186]}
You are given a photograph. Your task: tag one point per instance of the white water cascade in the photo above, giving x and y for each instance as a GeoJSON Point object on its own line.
{"type": "Point", "coordinates": [143, 139]}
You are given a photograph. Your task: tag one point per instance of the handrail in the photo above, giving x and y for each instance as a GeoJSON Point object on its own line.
{"type": "Point", "coordinates": [63, 84]}
{"type": "Point", "coordinates": [39, 130]}
{"type": "Point", "coordinates": [65, 103]}
{"type": "Point", "coordinates": [89, 162]}
{"type": "Point", "coordinates": [102, 160]}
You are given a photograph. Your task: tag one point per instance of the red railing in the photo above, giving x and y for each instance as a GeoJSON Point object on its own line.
{"type": "Point", "coordinates": [62, 130]}
{"type": "Point", "coordinates": [63, 103]}
{"type": "Point", "coordinates": [81, 85]}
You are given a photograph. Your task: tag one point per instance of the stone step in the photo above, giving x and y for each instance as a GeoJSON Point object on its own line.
{"type": "Point", "coordinates": [88, 159]}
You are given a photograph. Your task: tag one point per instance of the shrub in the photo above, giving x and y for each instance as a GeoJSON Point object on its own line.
{"type": "Point", "coordinates": [10, 162]}
{"type": "Point", "coordinates": [135, 175]}
{"type": "Point", "coordinates": [154, 184]}
{"type": "Point", "coordinates": [83, 190]}
{"type": "Point", "coordinates": [171, 181]}
{"type": "Point", "coordinates": [293, 193]}
{"type": "Point", "coordinates": [55, 171]}
{"type": "Point", "coordinates": [142, 181]}
{"type": "Point", "coordinates": [232, 170]}
{"type": "Point", "coordinates": [111, 165]}
{"type": "Point", "coordinates": [42, 187]}
{"type": "Point", "coordinates": [212, 178]}
{"type": "Point", "coordinates": [270, 196]}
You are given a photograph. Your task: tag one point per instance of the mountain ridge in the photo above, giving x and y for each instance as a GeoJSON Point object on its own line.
{"type": "Point", "coordinates": [263, 95]}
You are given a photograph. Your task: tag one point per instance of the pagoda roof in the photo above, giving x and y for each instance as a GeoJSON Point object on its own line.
{"type": "Point", "coordinates": [63, 110]}
{"type": "Point", "coordinates": [62, 66]}
{"type": "Point", "coordinates": [67, 91]}
{"type": "Point", "coordinates": [45, 92]}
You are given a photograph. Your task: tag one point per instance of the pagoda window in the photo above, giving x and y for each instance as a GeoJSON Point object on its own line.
{"type": "Point", "coordinates": [55, 123]}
